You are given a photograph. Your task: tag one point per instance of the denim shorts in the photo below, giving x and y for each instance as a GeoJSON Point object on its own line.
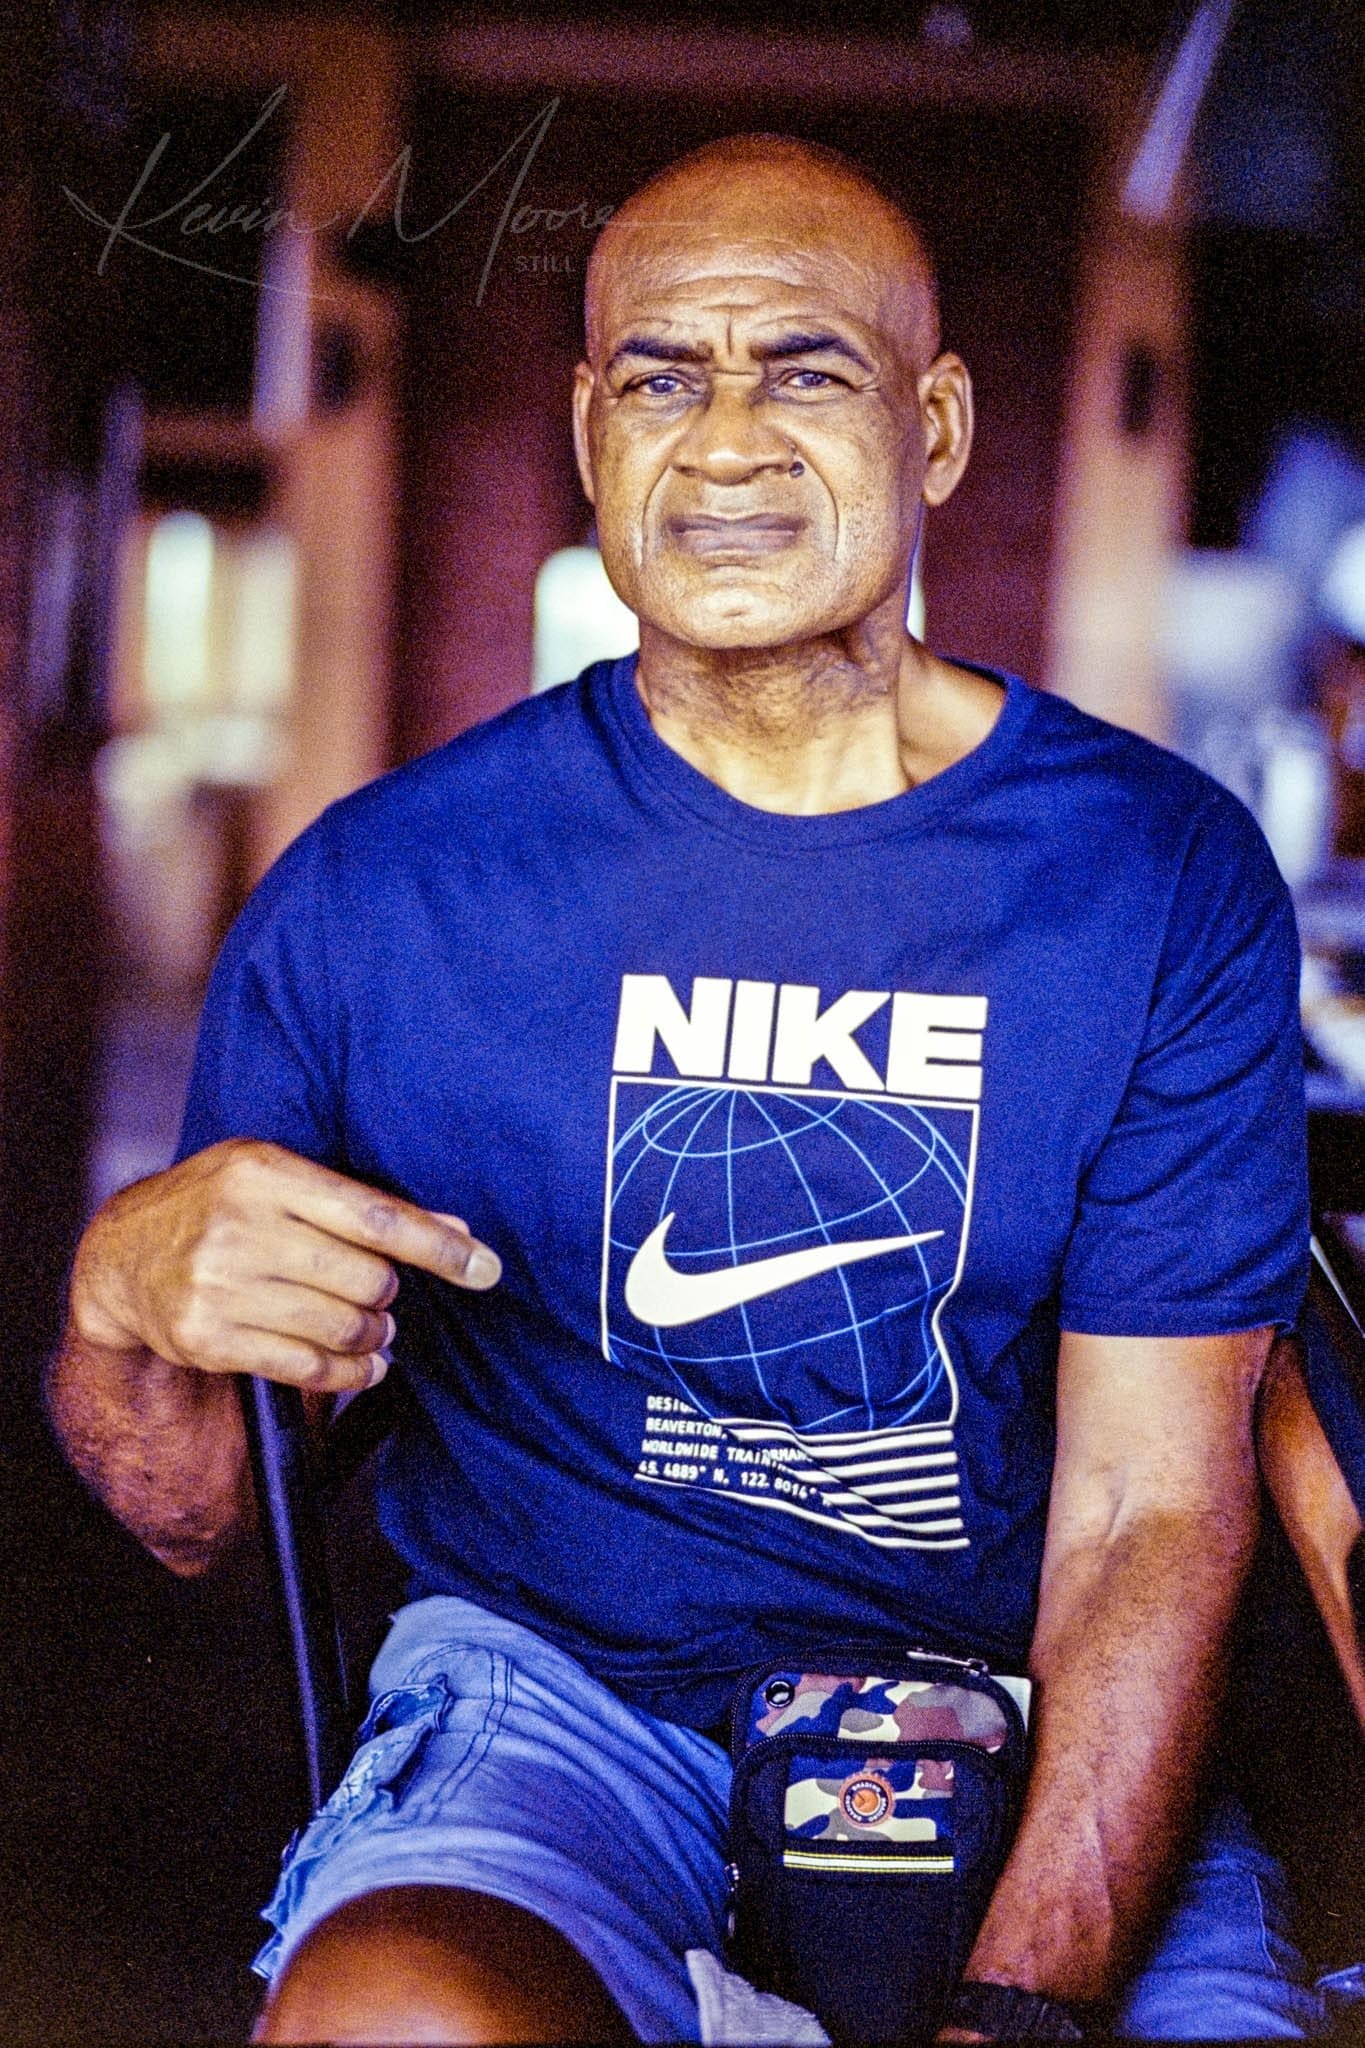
{"type": "Point", "coordinates": [493, 1762]}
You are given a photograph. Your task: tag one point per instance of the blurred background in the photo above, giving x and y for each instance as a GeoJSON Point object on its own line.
{"type": "Point", "coordinates": [289, 305]}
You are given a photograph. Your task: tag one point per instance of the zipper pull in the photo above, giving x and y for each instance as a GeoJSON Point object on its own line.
{"type": "Point", "coordinates": [977, 1665]}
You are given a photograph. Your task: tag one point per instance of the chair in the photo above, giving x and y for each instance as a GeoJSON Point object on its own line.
{"type": "Point", "coordinates": [300, 1471]}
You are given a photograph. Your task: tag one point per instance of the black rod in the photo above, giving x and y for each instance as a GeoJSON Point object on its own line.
{"type": "Point", "coordinates": [277, 1434]}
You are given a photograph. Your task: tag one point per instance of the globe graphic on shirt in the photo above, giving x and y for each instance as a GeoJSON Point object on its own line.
{"type": "Point", "coordinates": [741, 1177]}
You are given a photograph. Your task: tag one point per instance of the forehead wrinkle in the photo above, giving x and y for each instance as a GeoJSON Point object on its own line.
{"type": "Point", "coordinates": [890, 299]}
{"type": "Point", "coordinates": [711, 251]}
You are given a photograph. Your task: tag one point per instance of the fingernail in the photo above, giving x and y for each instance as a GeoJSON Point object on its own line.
{"type": "Point", "coordinates": [379, 1365]}
{"type": "Point", "coordinates": [390, 1331]}
{"type": "Point", "coordinates": [484, 1268]}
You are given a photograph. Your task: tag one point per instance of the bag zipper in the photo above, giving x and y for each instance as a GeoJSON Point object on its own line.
{"type": "Point", "coordinates": [976, 1664]}
{"type": "Point", "coordinates": [870, 1656]}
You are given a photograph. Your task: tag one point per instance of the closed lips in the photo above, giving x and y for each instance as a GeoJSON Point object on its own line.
{"type": "Point", "coordinates": [755, 533]}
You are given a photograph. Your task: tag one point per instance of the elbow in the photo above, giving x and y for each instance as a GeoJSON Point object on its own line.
{"type": "Point", "coordinates": [185, 1560]}
{"type": "Point", "coordinates": [1221, 1535]}
{"type": "Point", "coordinates": [194, 1544]}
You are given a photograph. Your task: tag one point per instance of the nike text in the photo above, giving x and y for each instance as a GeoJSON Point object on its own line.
{"type": "Point", "coordinates": [760, 1031]}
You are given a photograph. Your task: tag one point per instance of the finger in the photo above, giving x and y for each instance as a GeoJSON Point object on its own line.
{"type": "Point", "coordinates": [313, 1258]}
{"type": "Point", "coordinates": [307, 1367]}
{"type": "Point", "coordinates": [289, 1310]}
{"type": "Point", "coordinates": [386, 1224]}
{"type": "Point", "coordinates": [291, 1362]}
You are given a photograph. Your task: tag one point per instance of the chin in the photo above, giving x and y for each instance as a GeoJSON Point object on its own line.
{"type": "Point", "coordinates": [732, 619]}
{"type": "Point", "coordinates": [721, 634]}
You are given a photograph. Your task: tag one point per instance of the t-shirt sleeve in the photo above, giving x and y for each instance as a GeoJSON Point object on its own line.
{"type": "Point", "coordinates": [1192, 1217]}
{"type": "Point", "coordinates": [268, 1054]}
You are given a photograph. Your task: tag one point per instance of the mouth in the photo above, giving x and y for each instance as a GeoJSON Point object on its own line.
{"type": "Point", "coordinates": [738, 538]}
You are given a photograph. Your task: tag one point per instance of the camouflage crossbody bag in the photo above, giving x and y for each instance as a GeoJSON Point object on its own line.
{"type": "Point", "coordinates": [875, 1797]}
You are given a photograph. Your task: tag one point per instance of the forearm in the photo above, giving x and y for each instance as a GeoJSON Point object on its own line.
{"type": "Point", "coordinates": [1315, 1505]}
{"type": "Point", "coordinates": [1128, 1657]}
{"type": "Point", "coordinates": [163, 1447]}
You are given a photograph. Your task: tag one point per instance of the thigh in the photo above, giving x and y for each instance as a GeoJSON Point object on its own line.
{"type": "Point", "coordinates": [425, 1962]}
{"type": "Point", "coordinates": [1223, 1965]}
{"type": "Point", "coordinates": [493, 1763]}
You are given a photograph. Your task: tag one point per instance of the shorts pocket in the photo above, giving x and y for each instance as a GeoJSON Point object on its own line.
{"type": "Point", "coordinates": [392, 1739]}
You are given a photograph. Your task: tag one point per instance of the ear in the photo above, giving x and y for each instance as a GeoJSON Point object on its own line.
{"type": "Point", "coordinates": [583, 386]}
{"type": "Point", "coordinates": [945, 397]}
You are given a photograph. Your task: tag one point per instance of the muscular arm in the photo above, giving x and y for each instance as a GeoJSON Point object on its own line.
{"type": "Point", "coordinates": [161, 1445]}
{"type": "Point", "coordinates": [1150, 1531]}
{"type": "Point", "coordinates": [243, 1258]}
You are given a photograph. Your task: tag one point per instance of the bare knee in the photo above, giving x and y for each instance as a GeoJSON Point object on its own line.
{"type": "Point", "coordinates": [429, 1963]}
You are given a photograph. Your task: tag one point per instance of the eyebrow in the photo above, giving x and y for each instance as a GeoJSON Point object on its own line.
{"type": "Point", "coordinates": [812, 343]}
{"type": "Point", "coordinates": [656, 351]}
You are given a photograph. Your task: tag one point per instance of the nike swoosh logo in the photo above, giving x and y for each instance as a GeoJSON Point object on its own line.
{"type": "Point", "coordinates": [658, 1293]}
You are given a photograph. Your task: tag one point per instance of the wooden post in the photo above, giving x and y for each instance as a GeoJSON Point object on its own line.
{"type": "Point", "coordinates": [1121, 502]}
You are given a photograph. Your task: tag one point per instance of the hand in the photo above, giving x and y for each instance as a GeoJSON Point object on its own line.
{"type": "Point", "coordinates": [247, 1258]}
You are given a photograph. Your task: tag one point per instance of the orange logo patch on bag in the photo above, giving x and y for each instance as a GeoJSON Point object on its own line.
{"type": "Point", "coordinates": [866, 1799]}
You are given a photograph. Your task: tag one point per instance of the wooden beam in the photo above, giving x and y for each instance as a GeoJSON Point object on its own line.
{"type": "Point", "coordinates": [476, 54]}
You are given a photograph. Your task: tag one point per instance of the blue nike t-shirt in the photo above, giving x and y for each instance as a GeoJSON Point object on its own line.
{"type": "Point", "coordinates": [800, 1138]}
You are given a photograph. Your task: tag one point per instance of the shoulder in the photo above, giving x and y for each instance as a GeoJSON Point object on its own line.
{"type": "Point", "coordinates": [1132, 773]}
{"type": "Point", "coordinates": [1139, 802]}
{"type": "Point", "coordinates": [501, 770]}
{"type": "Point", "coordinates": [491, 784]}
{"type": "Point", "coordinates": [1181, 878]}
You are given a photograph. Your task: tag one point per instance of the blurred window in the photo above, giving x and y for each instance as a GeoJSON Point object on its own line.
{"type": "Point", "coordinates": [578, 618]}
{"type": "Point", "coordinates": [178, 585]}
{"type": "Point", "coordinates": [204, 679]}
{"type": "Point", "coordinates": [205, 684]}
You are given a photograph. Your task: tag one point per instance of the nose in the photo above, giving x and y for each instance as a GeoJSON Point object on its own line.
{"type": "Point", "coordinates": [729, 440]}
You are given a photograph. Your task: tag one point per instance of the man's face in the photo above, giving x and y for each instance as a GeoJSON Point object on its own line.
{"type": "Point", "coordinates": [722, 354]}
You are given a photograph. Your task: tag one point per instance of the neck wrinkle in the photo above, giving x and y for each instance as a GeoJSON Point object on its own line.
{"type": "Point", "coordinates": [803, 731]}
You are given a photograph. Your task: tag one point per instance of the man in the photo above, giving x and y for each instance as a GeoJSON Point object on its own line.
{"type": "Point", "coordinates": [865, 1080]}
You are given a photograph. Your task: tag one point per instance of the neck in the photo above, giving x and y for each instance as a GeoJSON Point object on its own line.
{"type": "Point", "coordinates": [826, 725]}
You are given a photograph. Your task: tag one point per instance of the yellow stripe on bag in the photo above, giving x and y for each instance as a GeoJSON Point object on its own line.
{"type": "Point", "coordinates": [825, 1859]}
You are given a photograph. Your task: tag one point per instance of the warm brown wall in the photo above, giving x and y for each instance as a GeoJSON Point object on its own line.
{"type": "Point", "coordinates": [489, 488]}
{"type": "Point", "coordinates": [488, 483]}
{"type": "Point", "coordinates": [63, 463]}
{"type": "Point", "coordinates": [1121, 507]}
{"type": "Point", "coordinates": [19, 412]}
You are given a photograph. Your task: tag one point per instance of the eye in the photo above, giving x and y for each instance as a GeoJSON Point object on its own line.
{"type": "Point", "coordinates": [811, 380]}
{"type": "Point", "coordinates": [662, 384]}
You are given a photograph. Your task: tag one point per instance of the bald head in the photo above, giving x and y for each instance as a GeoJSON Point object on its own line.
{"type": "Point", "coordinates": [795, 201]}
